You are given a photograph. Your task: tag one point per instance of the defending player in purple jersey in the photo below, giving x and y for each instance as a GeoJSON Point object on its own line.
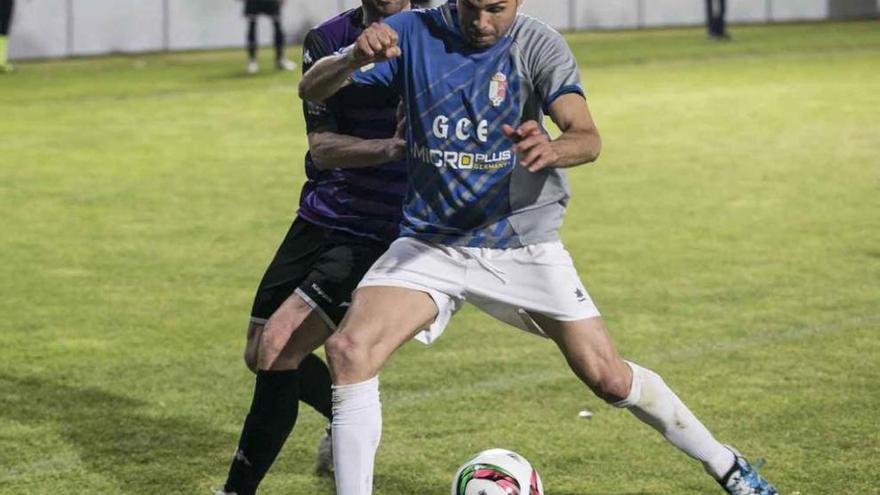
{"type": "Point", "coordinates": [349, 212]}
{"type": "Point", "coordinates": [357, 198]}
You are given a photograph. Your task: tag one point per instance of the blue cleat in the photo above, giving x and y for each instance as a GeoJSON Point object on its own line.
{"type": "Point", "coordinates": [743, 478]}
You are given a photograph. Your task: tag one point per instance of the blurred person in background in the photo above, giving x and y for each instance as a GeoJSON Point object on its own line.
{"type": "Point", "coordinates": [715, 12]}
{"type": "Point", "coordinates": [349, 212]}
{"type": "Point", "coordinates": [271, 8]}
{"type": "Point", "coordinates": [6, 7]}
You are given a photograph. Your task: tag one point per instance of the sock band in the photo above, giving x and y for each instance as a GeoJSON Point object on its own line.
{"type": "Point", "coordinates": [635, 390]}
{"type": "Point", "coordinates": [654, 403]}
{"type": "Point", "coordinates": [273, 414]}
{"type": "Point", "coordinates": [357, 429]}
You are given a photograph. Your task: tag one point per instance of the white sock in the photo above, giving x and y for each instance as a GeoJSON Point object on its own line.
{"type": "Point", "coordinates": [357, 428]}
{"type": "Point", "coordinates": [653, 402]}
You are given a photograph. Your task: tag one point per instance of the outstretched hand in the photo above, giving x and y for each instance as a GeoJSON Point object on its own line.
{"type": "Point", "coordinates": [532, 146]}
{"type": "Point", "coordinates": [377, 43]}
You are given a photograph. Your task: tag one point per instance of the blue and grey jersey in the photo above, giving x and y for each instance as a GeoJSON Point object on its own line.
{"type": "Point", "coordinates": [465, 186]}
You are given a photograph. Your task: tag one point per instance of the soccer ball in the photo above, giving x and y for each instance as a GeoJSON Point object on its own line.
{"type": "Point", "coordinates": [497, 472]}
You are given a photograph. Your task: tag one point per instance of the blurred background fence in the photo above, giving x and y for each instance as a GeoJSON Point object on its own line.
{"type": "Point", "coordinates": [60, 28]}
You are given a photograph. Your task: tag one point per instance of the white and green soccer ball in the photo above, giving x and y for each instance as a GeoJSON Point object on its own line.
{"type": "Point", "coordinates": [497, 472]}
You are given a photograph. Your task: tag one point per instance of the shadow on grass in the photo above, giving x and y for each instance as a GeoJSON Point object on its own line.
{"type": "Point", "coordinates": [114, 438]}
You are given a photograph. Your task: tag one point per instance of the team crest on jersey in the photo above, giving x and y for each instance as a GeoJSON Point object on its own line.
{"type": "Point", "coordinates": [498, 89]}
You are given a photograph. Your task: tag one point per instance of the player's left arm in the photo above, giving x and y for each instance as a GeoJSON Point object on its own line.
{"type": "Point", "coordinates": [578, 144]}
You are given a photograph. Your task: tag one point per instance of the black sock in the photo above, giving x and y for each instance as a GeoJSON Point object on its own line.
{"type": "Point", "coordinates": [314, 385]}
{"type": "Point", "coordinates": [279, 40]}
{"type": "Point", "coordinates": [252, 39]}
{"type": "Point", "coordinates": [272, 416]}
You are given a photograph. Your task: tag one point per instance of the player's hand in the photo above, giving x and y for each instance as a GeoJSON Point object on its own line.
{"type": "Point", "coordinates": [533, 147]}
{"type": "Point", "coordinates": [377, 43]}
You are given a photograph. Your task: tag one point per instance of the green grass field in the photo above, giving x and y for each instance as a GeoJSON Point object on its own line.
{"type": "Point", "coordinates": [730, 234]}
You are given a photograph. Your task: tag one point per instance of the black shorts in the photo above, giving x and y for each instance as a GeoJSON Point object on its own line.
{"type": "Point", "coordinates": [5, 16]}
{"type": "Point", "coordinates": [322, 265]}
{"type": "Point", "coordinates": [265, 7]}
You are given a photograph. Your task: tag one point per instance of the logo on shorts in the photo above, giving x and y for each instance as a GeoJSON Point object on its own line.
{"type": "Point", "coordinates": [322, 293]}
{"type": "Point", "coordinates": [580, 295]}
{"type": "Point", "coordinates": [498, 89]}
{"type": "Point", "coordinates": [240, 457]}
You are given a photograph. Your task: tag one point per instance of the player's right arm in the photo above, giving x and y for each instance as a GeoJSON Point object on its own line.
{"type": "Point", "coordinates": [332, 150]}
{"type": "Point", "coordinates": [378, 43]}
{"type": "Point", "coordinates": [327, 146]}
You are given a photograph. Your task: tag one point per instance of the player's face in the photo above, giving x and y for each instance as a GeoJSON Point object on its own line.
{"type": "Point", "coordinates": [484, 22]}
{"type": "Point", "coordinates": [385, 8]}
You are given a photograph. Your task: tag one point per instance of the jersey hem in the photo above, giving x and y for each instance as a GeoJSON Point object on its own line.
{"type": "Point", "coordinates": [513, 243]}
{"type": "Point", "coordinates": [369, 237]}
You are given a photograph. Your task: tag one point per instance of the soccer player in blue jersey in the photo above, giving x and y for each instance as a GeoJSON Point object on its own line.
{"type": "Point", "coordinates": [481, 220]}
{"type": "Point", "coordinates": [349, 213]}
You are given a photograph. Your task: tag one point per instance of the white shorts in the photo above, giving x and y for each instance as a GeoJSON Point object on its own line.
{"type": "Point", "coordinates": [508, 284]}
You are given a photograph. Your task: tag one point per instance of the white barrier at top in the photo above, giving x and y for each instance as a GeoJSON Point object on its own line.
{"type": "Point", "coordinates": [58, 28]}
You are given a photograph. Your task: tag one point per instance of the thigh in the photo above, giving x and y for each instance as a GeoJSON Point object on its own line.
{"type": "Point", "coordinates": [539, 279]}
{"type": "Point", "coordinates": [381, 319]}
{"type": "Point", "coordinates": [435, 270]}
{"type": "Point", "coordinates": [591, 354]}
{"type": "Point", "coordinates": [293, 331]}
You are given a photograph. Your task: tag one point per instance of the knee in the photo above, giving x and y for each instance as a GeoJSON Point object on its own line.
{"type": "Point", "coordinates": [345, 354]}
{"type": "Point", "coordinates": [340, 348]}
{"type": "Point", "coordinates": [279, 353]}
{"type": "Point", "coordinates": [612, 382]}
{"type": "Point", "coordinates": [614, 387]}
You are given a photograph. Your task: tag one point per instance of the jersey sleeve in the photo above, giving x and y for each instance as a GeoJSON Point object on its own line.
{"type": "Point", "coordinates": [319, 116]}
{"type": "Point", "coordinates": [556, 71]}
{"type": "Point", "coordinates": [381, 74]}
{"type": "Point", "coordinates": [387, 73]}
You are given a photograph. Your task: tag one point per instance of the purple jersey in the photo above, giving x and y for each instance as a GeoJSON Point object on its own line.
{"type": "Point", "coordinates": [361, 201]}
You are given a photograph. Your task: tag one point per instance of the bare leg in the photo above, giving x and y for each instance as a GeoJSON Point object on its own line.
{"type": "Point", "coordinates": [293, 331]}
{"type": "Point", "coordinates": [379, 321]}
{"type": "Point", "coordinates": [590, 353]}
